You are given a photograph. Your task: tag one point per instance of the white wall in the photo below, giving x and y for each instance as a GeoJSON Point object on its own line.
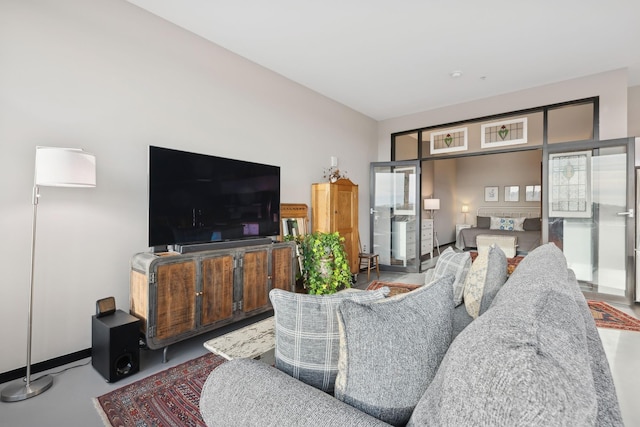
{"type": "Point", "coordinates": [611, 87]}
{"type": "Point", "coordinates": [634, 111]}
{"type": "Point", "coordinates": [111, 78]}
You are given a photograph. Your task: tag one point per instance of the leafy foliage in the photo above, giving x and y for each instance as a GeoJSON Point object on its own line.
{"type": "Point", "coordinates": [325, 263]}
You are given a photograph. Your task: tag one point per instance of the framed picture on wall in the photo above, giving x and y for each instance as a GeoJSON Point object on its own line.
{"type": "Point", "coordinates": [511, 193]}
{"type": "Point", "coordinates": [490, 194]}
{"type": "Point", "coordinates": [532, 193]}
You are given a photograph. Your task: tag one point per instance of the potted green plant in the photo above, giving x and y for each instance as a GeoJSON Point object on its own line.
{"type": "Point", "coordinates": [325, 264]}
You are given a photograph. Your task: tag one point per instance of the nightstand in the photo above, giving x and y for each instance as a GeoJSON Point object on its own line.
{"type": "Point", "coordinates": [459, 227]}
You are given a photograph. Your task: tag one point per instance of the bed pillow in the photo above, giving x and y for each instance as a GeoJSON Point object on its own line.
{"type": "Point", "coordinates": [390, 350]}
{"type": "Point", "coordinates": [507, 224]}
{"type": "Point", "coordinates": [456, 264]}
{"type": "Point", "coordinates": [483, 222]}
{"type": "Point", "coordinates": [307, 339]}
{"type": "Point", "coordinates": [532, 224]}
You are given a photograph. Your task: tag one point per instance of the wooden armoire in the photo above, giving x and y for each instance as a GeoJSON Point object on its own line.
{"type": "Point", "coordinates": [334, 207]}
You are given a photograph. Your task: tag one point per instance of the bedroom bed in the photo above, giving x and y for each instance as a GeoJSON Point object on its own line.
{"type": "Point", "coordinates": [525, 219]}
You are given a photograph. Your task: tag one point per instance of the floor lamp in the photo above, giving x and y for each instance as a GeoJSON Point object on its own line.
{"type": "Point", "coordinates": [433, 205]}
{"type": "Point", "coordinates": [55, 167]}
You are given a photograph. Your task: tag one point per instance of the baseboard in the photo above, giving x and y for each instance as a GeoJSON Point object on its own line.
{"type": "Point", "coordinates": [46, 365]}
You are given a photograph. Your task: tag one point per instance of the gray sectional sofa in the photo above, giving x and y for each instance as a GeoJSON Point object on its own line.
{"type": "Point", "coordinates": [532, 357]}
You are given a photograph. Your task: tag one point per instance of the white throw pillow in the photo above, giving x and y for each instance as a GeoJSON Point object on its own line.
{"type": "Point", "coordinates": [508, 224]}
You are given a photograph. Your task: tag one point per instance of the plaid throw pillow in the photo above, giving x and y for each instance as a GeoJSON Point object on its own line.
{"type": "Point", "coordinates": [456, 264]}
{"type": "Point", "coordinates": [307, 339]}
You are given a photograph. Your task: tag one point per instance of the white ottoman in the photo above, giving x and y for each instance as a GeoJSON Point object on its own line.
{"type": "Point", "coordinates": [508, 244]}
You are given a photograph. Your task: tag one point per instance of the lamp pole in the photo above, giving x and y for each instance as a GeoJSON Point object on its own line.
{"type": "Point", "coordinates": [55, 167]}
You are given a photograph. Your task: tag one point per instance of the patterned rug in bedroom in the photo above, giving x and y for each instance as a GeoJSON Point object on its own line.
{"type": "Point", "coordinates": [168, 398]}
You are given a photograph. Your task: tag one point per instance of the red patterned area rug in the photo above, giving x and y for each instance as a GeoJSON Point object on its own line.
{"type": "Point", "coordinates": [512, 263]}
{"type": "Point", "coordinates": [394, 288]}
{"type": "Point", "coordinates": [166, 399]}
{"type": "Point", "coordinates": [608, 317]}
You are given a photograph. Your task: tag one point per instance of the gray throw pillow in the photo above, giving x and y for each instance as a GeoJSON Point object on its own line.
{"type": "Point", "coordinates": [456, 264]}
{"type": "Point", "coordinates": [307, 339]}
{"type": "Point", "coordinates": [532, 224]}
{"type": "Point", "coordinates": [390, 350]}
{"type": "Point", "coordinates": [483, 221]}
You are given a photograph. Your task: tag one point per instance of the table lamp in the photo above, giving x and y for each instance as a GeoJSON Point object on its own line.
{"type": "Point", "coordinates": [465, 211]}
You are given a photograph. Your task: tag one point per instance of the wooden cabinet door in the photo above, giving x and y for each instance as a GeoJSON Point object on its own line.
{"type": "Point", "coordinates": [346, 220]}
{"type": "Point", "coordinates": [281, 268]}
{"type": "Point", "coordinates": [176, 293]}
{"type": "Point", "coordinates": [217, 289]}
{"type": "Point", "coordinates": [255, 280]}
{"type": "Point", "coordinates": [321, 207]}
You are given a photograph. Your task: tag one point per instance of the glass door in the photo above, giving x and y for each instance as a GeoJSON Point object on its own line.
{"type": "Point", "coordinates": [591, 215]}
{"type": "Point", "coordinates": [394, 214]}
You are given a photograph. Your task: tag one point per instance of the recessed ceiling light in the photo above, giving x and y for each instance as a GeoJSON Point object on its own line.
{"type": "Point", "coordinates": [455, 74]}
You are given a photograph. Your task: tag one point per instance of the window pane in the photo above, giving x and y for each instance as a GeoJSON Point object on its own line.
{"type": "Point", "coordinates": [571, 123]}
{"type": "Point", "coordinates": [407, 147]}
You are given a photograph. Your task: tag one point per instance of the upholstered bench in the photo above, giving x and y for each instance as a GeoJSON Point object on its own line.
{"type": "Point", "coordinates": [508, 244]}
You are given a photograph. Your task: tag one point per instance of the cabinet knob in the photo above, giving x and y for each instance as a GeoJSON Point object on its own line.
{"type": "Point", "coordinates": [199, 294]}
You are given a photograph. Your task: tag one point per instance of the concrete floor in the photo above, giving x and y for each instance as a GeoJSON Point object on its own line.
{"type": "Point", "coordinates": [69, 402]}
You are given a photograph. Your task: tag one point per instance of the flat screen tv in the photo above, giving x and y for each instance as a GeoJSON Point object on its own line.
{"type": "Point", "coordinates": [198, 198]}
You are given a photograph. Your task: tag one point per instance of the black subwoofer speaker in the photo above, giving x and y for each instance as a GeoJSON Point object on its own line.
{"type": "Point", "coordinates": [115, 350]}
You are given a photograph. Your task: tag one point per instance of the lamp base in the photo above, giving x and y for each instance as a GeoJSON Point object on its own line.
{"type": "Point", "coordinates": [18, 392]}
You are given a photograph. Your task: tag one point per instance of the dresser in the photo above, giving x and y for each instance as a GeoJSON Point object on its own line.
{"type": "Point", "coordinates": [404, 241]}
{"type": "Point", "coordinates": [426, 237]}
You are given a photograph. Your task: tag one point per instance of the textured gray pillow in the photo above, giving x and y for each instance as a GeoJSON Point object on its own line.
{"type": "Point", "coordinates": [523, 362]}
{"type": "Point", "coordinates": [391, 349]}
{"type": "Point", "coordinates": [307, 339]}
{"type": "Point", "coordinates": [457, 264]}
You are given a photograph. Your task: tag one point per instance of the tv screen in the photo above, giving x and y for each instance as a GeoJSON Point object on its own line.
{"type": "Point", "coordinates": [197, 198]}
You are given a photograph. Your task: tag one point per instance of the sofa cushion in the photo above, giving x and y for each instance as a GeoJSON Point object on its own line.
{"type": "Point", "coordinates": [457, 264]}
{"type": "Point", "coordinates": [523, 362]}
{"type": "Point", "coordinates": [390, 349]}
{"type": "Point", "coordinates": [608, 407]}
{"type": "Point", "coordinates": [486, 276]}
{"type": "Point", "coordinates": [307, 338]}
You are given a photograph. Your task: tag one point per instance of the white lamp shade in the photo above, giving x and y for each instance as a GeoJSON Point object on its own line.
{"type": "Point", "coordinates": [465, 208]}
{"type": "Point", "coordinates": [64, 167]}
{"type": "Point", "coordinates": [431, 204]}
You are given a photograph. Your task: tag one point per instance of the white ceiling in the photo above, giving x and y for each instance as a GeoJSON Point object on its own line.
{"type": "Point", "coordinates": [388, 58]}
